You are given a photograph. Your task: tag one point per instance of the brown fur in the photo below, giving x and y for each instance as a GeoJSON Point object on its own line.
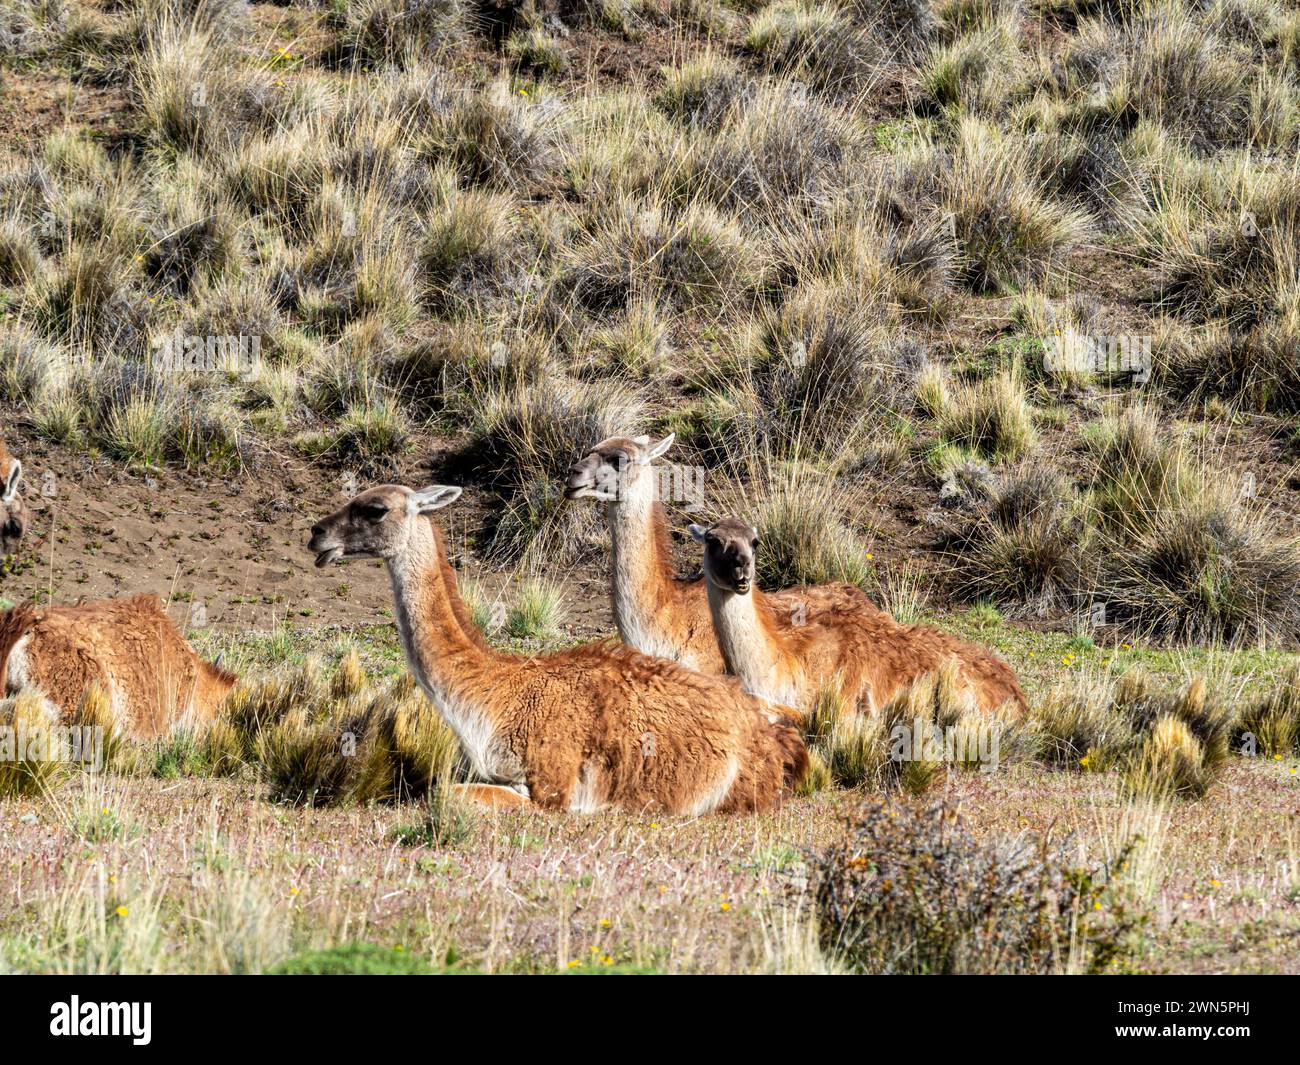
{"type": "Point", "coordinates": [592, 726]}
{"type": "Point", "coordinates": [13, 512]}
{"type": "Point", "coordinates": [868, 655]}
{"type": "Point", "coordinates": [658, 613]}
{"type": "Point", "coordinates": [127, 646]}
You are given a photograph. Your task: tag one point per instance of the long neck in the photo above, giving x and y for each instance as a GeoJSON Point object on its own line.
{"type": "Point", "coordinates": [750, 644]}
{"type": "Point", "coordinates": [447, 663]}
{"type": "Point", "coordinates": [641, 570]}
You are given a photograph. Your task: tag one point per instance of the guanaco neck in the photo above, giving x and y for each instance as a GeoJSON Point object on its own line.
{"type": "Point", "coordinates": [641, 568]}
{"type": "Point", "coordinates": [751, 645]}
{"type": "Point", "coordinates": [447, 663]}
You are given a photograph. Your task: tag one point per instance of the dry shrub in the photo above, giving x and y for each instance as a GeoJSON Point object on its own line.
{"type": "Point", "coordinates": [910, 889]}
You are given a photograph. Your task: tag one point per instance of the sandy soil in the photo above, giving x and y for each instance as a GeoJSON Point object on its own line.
{"type": "Point", "coordinates": [228, 553]}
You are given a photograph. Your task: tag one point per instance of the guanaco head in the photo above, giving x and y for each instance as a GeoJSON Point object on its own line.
{"type": "Point", "coordinates": [608, 470]}
{"type": "Point", "coordinates": [377, 523]}
{"type": "Point", "coordinates": [13, 514]}
{"type": "Point", "coordinates": [729, 554]}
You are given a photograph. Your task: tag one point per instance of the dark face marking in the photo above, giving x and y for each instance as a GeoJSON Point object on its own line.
{"type": "Point", "coordinates": [729, 555]}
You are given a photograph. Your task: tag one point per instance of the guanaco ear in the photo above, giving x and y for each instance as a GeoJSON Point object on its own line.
{"type": "Point", "coordinates": [658, 449]}
{"type": "Point", "coordinates": [435, 497]}
{"type": "Point", "coordinates": [11, 485]}
{"type": "Point", "coordinates": [699, 532]}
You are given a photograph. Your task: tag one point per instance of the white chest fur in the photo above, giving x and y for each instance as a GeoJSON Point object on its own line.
{"type": "Point", "coordinates": [748, 649]}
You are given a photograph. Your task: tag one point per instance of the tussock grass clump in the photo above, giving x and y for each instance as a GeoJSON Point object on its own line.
{"type": "Point", "coordinates": [991, 417]}
{"type": "Point", "coordinates": [88, 299]}
{"type": "Point", "coordinates": [637, 344]}
{"type": "Point", "coordinates": [529, 435]}
{"type": "Point", "coordinates": [30, 720]}
{"type": "Point", "coordinates": [194, 241]}
{"type": "Point", "coordinates": [1226, 243]}
{"type": "Point", "coordinates": [1188, 557]}
{"type": "Point", "coordinates": [978, 72]}
{"type": "Point", "coordinates": [779, 149]}
{"type": "Point", "coordinates": [31, 368]}
{"type": "Point", "coordinates": [1257, 368]}
{"type": "Point", "coordinates": [501, 140]}
{"type": "Point", "coordinates": [906, 28]}
{"type": "Point", "coordinates": [20, 253]}
{"type": "Point", "coordinates": [321, 739]}
{"type": "Point", "coordinates": [1027, 546]}
{"type": "Point", "coordinates": [805, 538]}
{"type": "Point", "coordinates": [411, 751]}
{"type": "Point", "coordinates": [849, 748]}
{"type": "Point", "coordinates": [814, 41]}
{"type": "Point", "coordinates": [487, 613]}
{"type": "Point", "coordinates": [907, 743]}
{"type": "Point", "coordinates": [280, 176]}
{"type": "Point", "coordinates": [538, 610]}
{"type": "Point", "coordinates": [1008, 231]}
{"type": "Point", "coordinates": [1180, 74]}
{"type": "Point", "coordinates": [811, 380]}
{"type": "Point", "coordinates": [398, 31]}
{"type": "Point", "coordinates": [374, 433]}
{"type": "Point", "coordinates": [1270, 724]}
{"type": "Point", "coordinates": [1081, 729]}
{"type": "Point", "coordinates": [95, 711]}
{"type": "Point", "coordinates": [1165, 743]}
{"type": "Point", "coordinates": [447, 820]}
{"type": "Point", "coordinates": [140, 415]}
{"type": "Point", "coordinates": [909, 889]}
{"type": "Point", "coordinates": [535, 49]}
{"type": "Point", "coordinates": [1210, 717]}
{"type": "Point", "coordinates": [470, 244]}
{"type": "Point", "coordinates": [639, 249]}
{"type": "Point", "coordinates": [1171, 761]}
{"type": "Point", "coordinates": [703, 90]}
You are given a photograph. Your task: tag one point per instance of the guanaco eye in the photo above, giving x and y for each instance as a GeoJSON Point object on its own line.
{"type": "Point", "coordinates": [373, 511]}
{"type": "Point", "coordinates": [753, 542]}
